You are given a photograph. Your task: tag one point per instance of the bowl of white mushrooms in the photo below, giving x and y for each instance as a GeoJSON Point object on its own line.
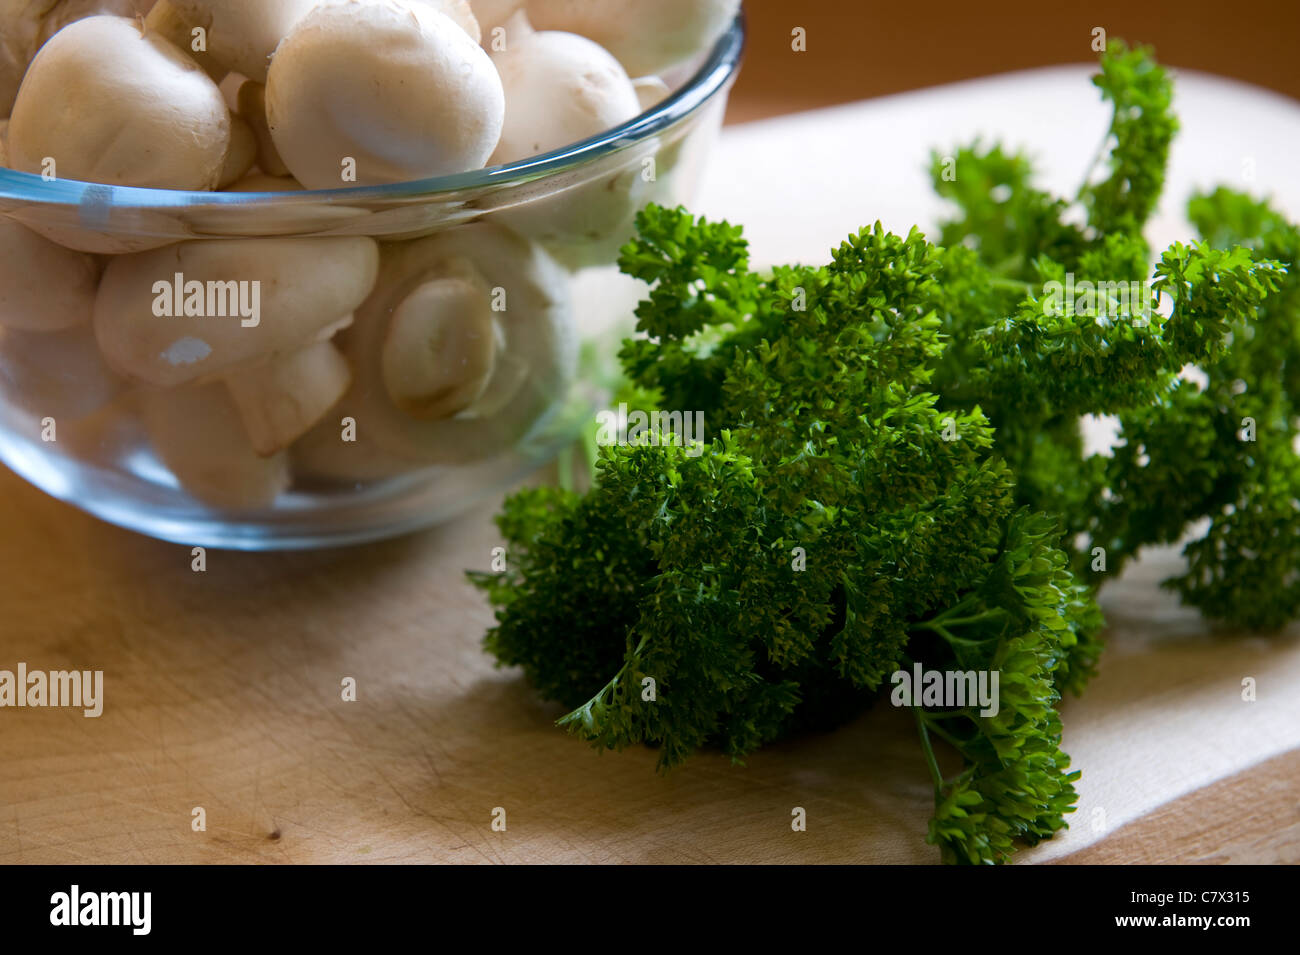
{"type": "Point", "coordinates": [295, 273]}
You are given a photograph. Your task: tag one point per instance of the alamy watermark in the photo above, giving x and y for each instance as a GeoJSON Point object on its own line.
{"type": "Point", "coordinates": [131, 909]}
{"type": "Point", "coordinates": [619, 427]}
{"type": "Point", "coordinates": [1106, 300]}
{"type": "Point", "coordinates": [178, 298]}
{"type": "Point", "coordinates": [54, 688]}
{"type": "Point", "coordinates": [946, 688]}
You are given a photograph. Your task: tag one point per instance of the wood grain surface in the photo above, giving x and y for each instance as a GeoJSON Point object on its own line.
{"type": "Point", "coordinates": [223, 691]}
{"type": "Point", "coordinates": [1253, 817]}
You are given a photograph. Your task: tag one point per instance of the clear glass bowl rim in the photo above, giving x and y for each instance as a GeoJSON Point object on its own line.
{"type": "Point", "coordinates": [713, 76]}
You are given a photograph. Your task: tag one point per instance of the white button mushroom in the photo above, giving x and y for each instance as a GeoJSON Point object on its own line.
{"type": "Point", "coordinates": [252, 106]}
{"type": "Point", "coordinates": [583, 217]}
{"type": "Point", "coordinates": [109, 104]}
{"type": "Point", "coordinates": [25, 25]}
{"type": "Point", "coordinates": [441, 344]}
{"type": "Point", "coordinates": [55, 374]}
{"type": "Point", "coordinates": [415, 299]}
{"type": "Point", "coordinates": [131, 230]}
{"type": "Point", "coordinates": [281, 400]}
{"type": "Point", "coordinates": [199, 309]}
{"type": "Point", "coordinates": [493, 13]}
{"type": "Point", "coordinates": [560, 88]}
{"type": "Point", "coordinates": [43, 286]}
{"type": "Point", "coordinates": [229, 86]}
{"type": "Point", "coordinates": [646, 37]}
{"type": "Point", "coordinates": [186, 34]}
{"type": "Point", "coordinates": [240, 35]}
{"type": "Point", "coordinates": [650, 91]}
{"type": "Point", "coordinates": [381, 91]}
{"type": "Point", "coordinates": [198, 434]}
{"type": "Point", "coordinates": [242, 154]}
{"type": "Point", "coordinates": [461, 13]}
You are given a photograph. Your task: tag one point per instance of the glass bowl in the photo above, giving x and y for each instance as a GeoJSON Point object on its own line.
{"type": "Point", "coordinates": [170, 459]}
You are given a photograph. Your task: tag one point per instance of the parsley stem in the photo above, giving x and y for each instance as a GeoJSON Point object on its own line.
{"type": "Point", "coordinates": [1092, 163]}
{"type": "Point", "coordinates": [986, 615]}
{"type": "Point", "coordinates": [999, 282]}
{"type": "Point", "coordinates": [600, 696]}
{"type": "Point", "coordinates": [564, 469]}
{"type": "Point", "coordinates": [933, 724]}
{"type": "Point", "coordinates": [927, 748]}
{"type": "Point", "coordinates": [943, 622]}
{"type": "Point", "coordinates": [591, 454]}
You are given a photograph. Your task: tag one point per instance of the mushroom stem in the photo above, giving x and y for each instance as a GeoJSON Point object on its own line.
{"type": "Point", "coordinates": [441, 344]}
{"type": "Point", "coordinates": [536, 348]}
{"type": "Point", "coordinates": [283, 399]}
{"type": "Point", "coordinates": [198, 434]}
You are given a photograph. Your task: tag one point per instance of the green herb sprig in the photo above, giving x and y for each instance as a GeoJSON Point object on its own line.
{"type": "Point", "coordinates": [894, 473]}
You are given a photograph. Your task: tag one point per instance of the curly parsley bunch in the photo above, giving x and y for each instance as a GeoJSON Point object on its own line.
{"type": "Point", "coordinates": [893, 474]}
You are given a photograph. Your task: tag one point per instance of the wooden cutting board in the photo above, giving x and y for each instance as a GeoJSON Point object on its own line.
{"type": "Point", "coordinates": [224, 689]}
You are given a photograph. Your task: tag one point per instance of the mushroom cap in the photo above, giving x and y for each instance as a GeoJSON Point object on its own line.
{"type": "Point", "coordinates": [60, 374]}
{"type": "Point", "coordinates": [533, 367]}
{"type": "Point", "coordinates": [252, 106]}
{"type": "Point", "coordinates": [136, 230]}
{"type": "Point", "coordinates": [580, 220]}
{"type": "Point", "coordinates": [182, 32]}
{"type": "Point", "coordinates": [461, 13]}
{"type": "Point", "coordinates": [646, 37]}
{"type": "Point", "coordinates": [560, 88]}
{"type": "Point", "coordinates": [28, 25]}
{"type": "Point", "coordinates": [243, 34]}
{"type": "Point", "coordinates": [19, 41]}
{"type": "Point", "coordinates": [303, 286]}
{"type": "Point", "coordinates": [494, 13]}
{"type": "Point", "coordinates": [111, 105]}
{"type": "Point", "coordinates": [59, 13]}
{"type": "Point", "coordinates": [242, 154]}
{"type": "Point", "coordinates": [43, 286]}
{"type": "Point", "coordinates": [396, 87]}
